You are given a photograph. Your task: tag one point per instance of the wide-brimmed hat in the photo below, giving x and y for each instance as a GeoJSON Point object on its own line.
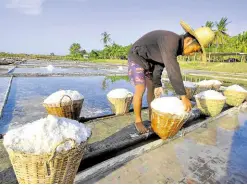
{"type": "Point", "coordinates": [204, 35]}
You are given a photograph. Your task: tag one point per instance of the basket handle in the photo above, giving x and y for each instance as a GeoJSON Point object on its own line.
{"type": "Point", "coordinates": [129, 94]}
{"type": "Point", "coordinates": [54, 152]}
{"type": "Point", "coordinates": [66, 96]}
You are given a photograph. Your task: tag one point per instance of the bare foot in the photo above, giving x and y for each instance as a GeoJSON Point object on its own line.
{"type": "Point", "coordinates": [141, 128]}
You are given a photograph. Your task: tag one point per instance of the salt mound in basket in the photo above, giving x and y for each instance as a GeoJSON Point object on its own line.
{"type": "Point", "coordinates": [64, 103]}
{"type": "Point", "coordinates": [168, 116]}
{"type": "Point", "coordinates": [120, 100]}
{"type": "Point", "coordinates": [47, 151]}
{"type": "Point", "coordinates": [208, 85]}
{"type": "Point", "coordinates": [190, 89]}
{"type": "Point", "coordinates": [210, 102]}
{"type": "Point", "coordinates": [235, 95]}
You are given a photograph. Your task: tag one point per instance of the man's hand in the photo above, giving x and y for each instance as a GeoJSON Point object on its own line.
{"type": "Point", "coordinates": [187, 103]}
{"type": "Point", "coordinates": [158, 91]}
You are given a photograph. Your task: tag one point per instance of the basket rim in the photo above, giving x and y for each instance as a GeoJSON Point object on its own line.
{"type": "Point", "coordinates": [172, 115]}
{"type": "Point", "coordinates": [50, 153]}
{"type": "Point", "coordinates": [57, 104]}
{"type": "Point", "coordinates": [234, 91]}
{"type": "Point", "coordinates": [208, 99]}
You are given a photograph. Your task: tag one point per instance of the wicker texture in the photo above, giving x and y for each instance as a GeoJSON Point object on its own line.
{"type": "Point", "coordinates": [54, 168]}
{"type": "Point", "coordinates": [166, 125]}
{"type": "Point", "coordinates": [190, 92]}
{"type": "Point", "coordinates": [210, 107]}
{"type": "Point", "coordinates": [71, 109]}
{"type": "Point", "coordinates": [202, 88]}
{"type": "Point", "coordinates": [120, 106]}
{"type": "Point", "coordinates": [234, 98]}
{"type": "Point", "coordinates": [216, 87]}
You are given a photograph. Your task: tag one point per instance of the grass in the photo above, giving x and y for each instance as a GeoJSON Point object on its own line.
{"type": "Point", "coordinates": [110, 61]}
{"type": "Point", "coordinates": [217, 66]}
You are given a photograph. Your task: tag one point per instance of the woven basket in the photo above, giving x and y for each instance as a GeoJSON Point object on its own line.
{"type": "Point", "coordinates": [53, 168]}
{"type": "Point", "coordinates": [120, 106]}
{"type": "Point", "coordinates": [210, 107]}
{"type": "Point", "coordinates": [201, 88]}
{"type": "Point", "coordinates": [166, 125]}
{"type": "Point", "coordinates": [190, 92]}
{"type": "Point", "coordinates": [71, 109]}
{"type": "Point", "coordinates": [234, 98]}
{"type": "Point", "coordinates": [216, 87]}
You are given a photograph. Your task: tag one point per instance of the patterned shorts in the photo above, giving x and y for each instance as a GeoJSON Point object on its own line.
{"type": "Point", "coordinates": [137, 74]}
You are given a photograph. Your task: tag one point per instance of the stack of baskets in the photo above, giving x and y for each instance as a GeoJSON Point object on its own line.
{"type": "Point", "coordinates": [209, 105]}
{"type": "Point", "coordinates": [166, 124]}
{"type": "Point", "coordinates": [52, 168]}
{"type": "Point", "coordinates": [235, 95]}
{"type": "Point", "coordinates": [68, 109]}
{"type": "Point", "coordinates": [120, 104]}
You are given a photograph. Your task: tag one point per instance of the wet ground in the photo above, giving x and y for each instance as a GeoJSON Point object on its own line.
{"type": "Point", "coordinates": [215, 154]}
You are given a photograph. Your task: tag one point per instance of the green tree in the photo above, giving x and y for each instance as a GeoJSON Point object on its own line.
{"type": "Point", "coordinates": [210, 24]}
{"type": "Point", "coordinates": [75, 49]}
{"type": "Point", "coordinates": [106, 38]}
{"type": "Point", "coordinates": [220, 33]}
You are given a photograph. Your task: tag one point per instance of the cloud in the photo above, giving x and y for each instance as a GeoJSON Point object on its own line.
{"type": "Point", "coordinates": [29, 7]}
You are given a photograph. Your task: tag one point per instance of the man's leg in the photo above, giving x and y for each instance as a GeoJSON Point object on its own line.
{"type": "Point", "coordinates": [137, 77]}
{"type": "Point", "coordinates": [150, 95]}
{"type": "Point", "coordinates": [137, 104]}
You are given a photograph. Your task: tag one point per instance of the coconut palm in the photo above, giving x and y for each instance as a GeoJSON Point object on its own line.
{"type": "Point", "coordinates": [209, 24]}
{"type": "Point", "coordinates": [220, 33]}
{"type": "Point", "coordinates": [106, 38]}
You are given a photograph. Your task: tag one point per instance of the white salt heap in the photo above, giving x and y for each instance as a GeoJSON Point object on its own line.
{"type": "Point", "coordinates": [171, 105]}
{"type": "Point", "coordinates": [236, 88]}
{"type": "Point", "coordinates": [210, 94]}
{"type": "Point", "coordinates": [189, 84]}
{"type": "Point", "coordinates": [119, 93]}
{"type": "Point", "coordinates": [209, 82]}
{"type": "Point", "coordinates": [43, 135]}
{"type": "Point", "coordinates": [56, 97]}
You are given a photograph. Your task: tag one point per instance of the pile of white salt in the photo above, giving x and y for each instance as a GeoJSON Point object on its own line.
{"type": "Point", "coordinates": [236, 88]}
{"type": "Point", "coordinates": [209, 82]}
{"type": "Point", "coordinates": [210, 94]}
{"type": "Point", "coordinates": [57, 96]}
{"type": "Point", "coordinates": [171, 105]}
{"type": "Point", "coordinates": [43, 135]}
{"type": "Point", "coordinates": [189, 84]}
{"type": "Point", "coordinates": [119, 93]}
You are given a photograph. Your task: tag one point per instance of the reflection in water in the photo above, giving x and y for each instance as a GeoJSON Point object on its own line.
{"type": "Point", "coordinates": [27, 94]}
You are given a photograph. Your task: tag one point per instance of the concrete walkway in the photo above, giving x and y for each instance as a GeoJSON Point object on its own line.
{"type": "Point", "coordinates": [4, 85]}
{"type": "Point", "coordinates": [216, 154]}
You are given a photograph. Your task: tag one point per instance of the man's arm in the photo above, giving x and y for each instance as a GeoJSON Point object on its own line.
{"type": "Point", "coordinates": [168, 47]}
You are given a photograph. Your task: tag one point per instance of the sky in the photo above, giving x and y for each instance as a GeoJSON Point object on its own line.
{"type": "Point", "coordinates": [46, 26]}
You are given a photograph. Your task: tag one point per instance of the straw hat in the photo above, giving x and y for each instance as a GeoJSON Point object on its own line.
{"type": "Point", "coordinates": [204, 35]}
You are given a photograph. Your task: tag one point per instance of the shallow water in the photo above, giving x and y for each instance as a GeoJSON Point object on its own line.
{"type": "Point", "coordinates": [56, 70]}
{"type": "Point", "coordinates": [27, 94]}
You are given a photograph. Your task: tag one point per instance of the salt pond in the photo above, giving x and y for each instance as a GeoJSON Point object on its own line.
{"type": "Point", "coordinates": [27, 94]}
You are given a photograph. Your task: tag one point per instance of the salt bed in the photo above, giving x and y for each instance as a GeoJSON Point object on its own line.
{"type": "Point", "coordinates": [209, 82]}
{"type": "Point", "coordinates": [119, 93]}
{"type": "Point", "coordinates": [43, 135]}
{"type": "Point", "coordinates": [236, 88]}
{"type": "Point", "coordinates": [57, 96]}
{"type": "Point", "coordinates": [210, 94]}
{"type": "Point", "coordinates": [171, 105]}
{"type": "Point", "coordinates": [189, 84]}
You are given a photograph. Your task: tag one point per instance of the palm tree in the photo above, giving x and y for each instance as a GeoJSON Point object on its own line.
{"type": "Point", "coordinates": [209, 24]}
{"type": "Point", "coordinates": [105, 38]}
{"type": "Point", "coordinates": [220, 33]}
